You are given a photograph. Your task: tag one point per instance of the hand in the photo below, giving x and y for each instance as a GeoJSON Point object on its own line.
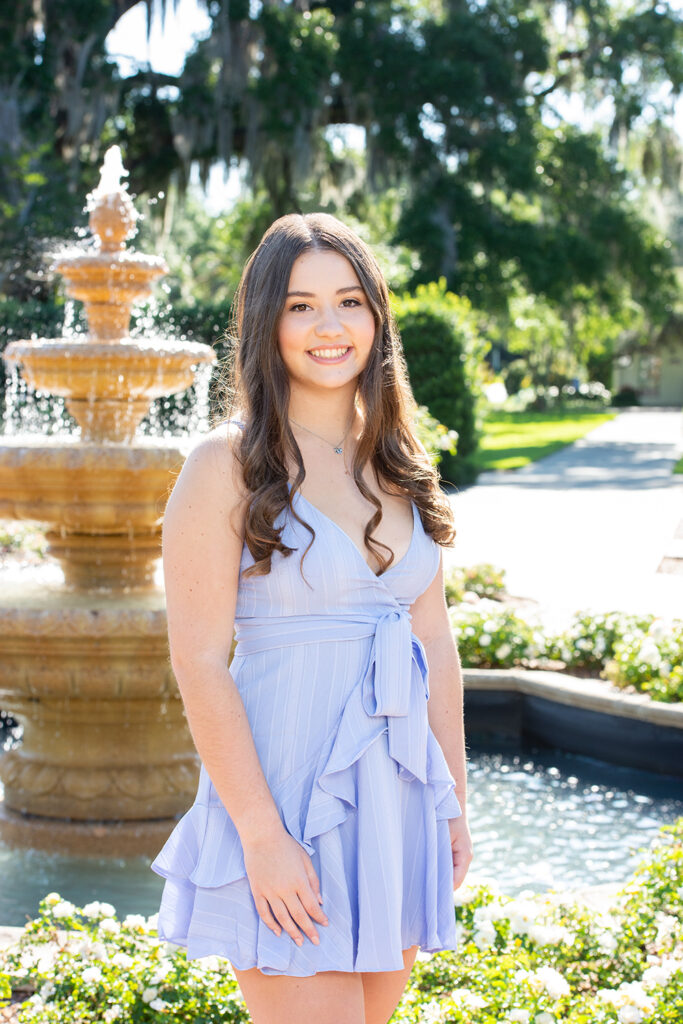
{"type": "Point", "coordinates": [461, 846]}
{"type": "Point", "coordinates": [284, 885]}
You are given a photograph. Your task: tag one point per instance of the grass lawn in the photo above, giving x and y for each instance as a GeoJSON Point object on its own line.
{"type": "Point", "coordinates": [512, 439]}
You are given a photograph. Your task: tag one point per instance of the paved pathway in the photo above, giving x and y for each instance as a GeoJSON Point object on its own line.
{"type": "Point", "coordinates": [588, 526]}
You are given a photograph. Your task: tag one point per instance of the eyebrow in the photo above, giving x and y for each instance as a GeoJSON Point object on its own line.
{"type": "Point", "coordinates": [340, 291]}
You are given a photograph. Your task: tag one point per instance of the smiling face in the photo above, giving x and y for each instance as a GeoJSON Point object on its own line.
{"type": "Point", "coordinates": [327, 327]}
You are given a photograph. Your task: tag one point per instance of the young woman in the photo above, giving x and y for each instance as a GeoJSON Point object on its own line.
{"type": "Point", "coordinates": [329, 828]}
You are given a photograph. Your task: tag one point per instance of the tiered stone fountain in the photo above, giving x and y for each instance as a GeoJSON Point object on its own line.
{"type": "Point", "coordinates": [84, 664]}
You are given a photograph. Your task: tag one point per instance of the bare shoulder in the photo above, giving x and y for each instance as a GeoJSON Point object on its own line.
{"type": "Point", "coordinates": [202, 542]}
{"type": "Point", "coordinates": [211, 477]}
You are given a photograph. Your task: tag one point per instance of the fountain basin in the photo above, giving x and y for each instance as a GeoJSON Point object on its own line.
{"type": "Point", "coordinates": [104, 502]}
{"type": "Point", "coordinates": [89, 678]}
{"type": "Point", "coordinates": [108, 385]}
{"type": "Point", "coordinates": [103, 488]}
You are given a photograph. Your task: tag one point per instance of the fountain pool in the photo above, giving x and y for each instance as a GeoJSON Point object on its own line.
{"type": "Point", "coordinates": [540, 819]}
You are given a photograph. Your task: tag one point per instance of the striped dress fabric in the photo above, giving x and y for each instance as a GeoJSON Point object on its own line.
{"type": "Point", "coordinates": [335, 687]}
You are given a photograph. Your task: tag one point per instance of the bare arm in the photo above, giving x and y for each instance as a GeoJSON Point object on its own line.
{"type": "Point", "coordinates": [202, 546]}
{"type": "Point", "coordinates": [201, 556]}
{"type": "Point", "coordinates": [430, 623]}
{"type": "Point", "coordinates": [445, 706]}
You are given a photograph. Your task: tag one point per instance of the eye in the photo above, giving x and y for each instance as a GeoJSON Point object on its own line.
{"type": "Point", "coordinates": [298, 306]}
{"type": "Point", "coordinates": [354, 301]}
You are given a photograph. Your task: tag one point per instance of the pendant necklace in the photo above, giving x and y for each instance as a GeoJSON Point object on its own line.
{"type": "Point", "coordinates": [338, 448]}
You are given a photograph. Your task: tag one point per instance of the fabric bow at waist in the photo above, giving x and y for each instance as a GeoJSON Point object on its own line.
{"type": "Point", "coordinates": [395, 684]}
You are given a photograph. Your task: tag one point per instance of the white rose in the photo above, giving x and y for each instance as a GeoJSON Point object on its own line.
{"type": "Point", "coordinates": [666, 926]}
{"type": "Point", "coordinates": [63, 909]}
{"type": "Point", "coordinates": [519, 1017]}
{"type": "Point", "coordinates": [432, 1013]}
{"type": "Point", "coordinates": [135, 921]}
{"type": "Point", "coordinates": [99, 951]}
{"type": "Point", "coordinates": [52, 898]}
{"type": "Point", "coordinates": [629, 1015]}
{"type": "Point", "coordinates": [464, 997]}
{"type": "Point", "coordinates": [485, 935]}
{"type": "Point", "coordinates": [465, 894]}
{"type": "Point", "coordinates": [158, 1004]}
{"type": "Point", "coordinates": [552, 981]}
{"type": "Point", "coordinates": [122, 960]}
{"type": "Point", "coordinates": [649, 653]}
{"type": "Point", "coordinates": [109, 926]}
{"type": "Point", "coordinates": [112, 1014]}
{"type": "Point", "coordinates": [636, 994]}
{"type": "Point", "coordinates": [46, 990]}
{"type": "Point", "coordinates": [522, 913]}
{"type": "Point", "coordinates": [544, 1018]}
{"type": "Point", "coordinates": [162, 970]}
{"type": "Point", "coordinates": [91, 909]}
{"type": "Point", "coordinates": [609, 996]}
{"type": "Point", "coordinates": [149, 994]}
{"type": "Point", "coordinates": [484, 640]}
{"type": "Point", "coordinates": [607, 942]}
{"type": "Point", "coordinates": [91, 975]}
{"type": "Point", "coordinates": [654, 977]}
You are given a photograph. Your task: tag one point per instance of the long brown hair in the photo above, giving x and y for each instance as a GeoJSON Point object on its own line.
{"type": "Point", "coordinates": [256, 386]}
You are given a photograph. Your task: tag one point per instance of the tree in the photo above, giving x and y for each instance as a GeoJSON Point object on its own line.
{"type": "Point", "coordinates": [455, 99]}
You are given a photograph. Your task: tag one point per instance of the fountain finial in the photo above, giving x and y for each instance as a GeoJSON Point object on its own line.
{"type": "Point", "coordinates": [112, 214]}
{"type": "Point", "coordinates": [111, 172]}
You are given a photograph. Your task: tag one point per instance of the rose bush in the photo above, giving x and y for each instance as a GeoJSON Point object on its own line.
{"type": "Point", "coordinates": [528, 959]}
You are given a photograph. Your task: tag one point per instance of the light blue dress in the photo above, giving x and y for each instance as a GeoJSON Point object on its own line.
{"type": "Point", "coordinates": [335, 687]}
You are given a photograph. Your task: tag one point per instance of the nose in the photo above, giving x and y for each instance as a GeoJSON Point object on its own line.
{"type": "Point", "coordinates": [329, 325]}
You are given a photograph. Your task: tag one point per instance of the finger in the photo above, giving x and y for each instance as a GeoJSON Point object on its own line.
{"type": "Point", "coordinates": [281, 912]}
{"type": "Point", "coordinates": [312, 907]}
{"type": "Point", "coordinates": [265, 913]}
{"type": "Point", "coordinates": [313, 878]}
{"type": "Point", "coordinates": [311, 898]}
{"type": "Point", "coordinates": [301, 916]}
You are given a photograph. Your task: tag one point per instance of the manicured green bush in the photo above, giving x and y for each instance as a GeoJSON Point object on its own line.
{"type": "Point", "coordinates": [626, 395]}
{"type": "Point", "coordinates": [436, 438]}
{"type": "Point", "coordinates": [445, 357]}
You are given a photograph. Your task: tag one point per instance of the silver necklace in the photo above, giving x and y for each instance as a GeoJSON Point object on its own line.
{"type": "Point", "coordinates": [337, 447]}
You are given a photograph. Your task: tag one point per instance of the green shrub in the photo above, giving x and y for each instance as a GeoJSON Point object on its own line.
{"type": "Point", "coordinates": [567, 396]}
{"type": "Point", "coordinates": [626, 395]}
{"type": "Point", "coordinates": [649, 657]}
{"type": "Point", "coordinates": [494, 638]}
{"type": "Point", "coordinates": [445, 359]}
{"type": "Point", "coordinates": [483, 579]}
{"type": "Point", "coordinates": [590, 638]}
{"type": "Point", "coordinates": [436, 438]}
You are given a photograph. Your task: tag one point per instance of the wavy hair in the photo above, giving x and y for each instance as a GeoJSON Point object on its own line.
{"type": "Point", "coordinates": [255, 387]}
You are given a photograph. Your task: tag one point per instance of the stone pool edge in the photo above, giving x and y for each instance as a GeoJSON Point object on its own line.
{"type": "Point", "coordinates": [585, 716]}
{"type": "Point", "coordinates": [594, 694]}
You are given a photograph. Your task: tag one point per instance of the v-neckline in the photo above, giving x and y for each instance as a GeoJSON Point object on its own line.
{"type": "Point", "coordinates": [394, 565]}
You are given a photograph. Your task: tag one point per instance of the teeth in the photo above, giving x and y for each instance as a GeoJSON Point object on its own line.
{"type": "Point", "coordinates": [329, 353]}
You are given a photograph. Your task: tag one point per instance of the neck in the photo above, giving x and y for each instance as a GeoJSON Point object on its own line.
{"type": "Point", "coordinates": [327, 413]}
